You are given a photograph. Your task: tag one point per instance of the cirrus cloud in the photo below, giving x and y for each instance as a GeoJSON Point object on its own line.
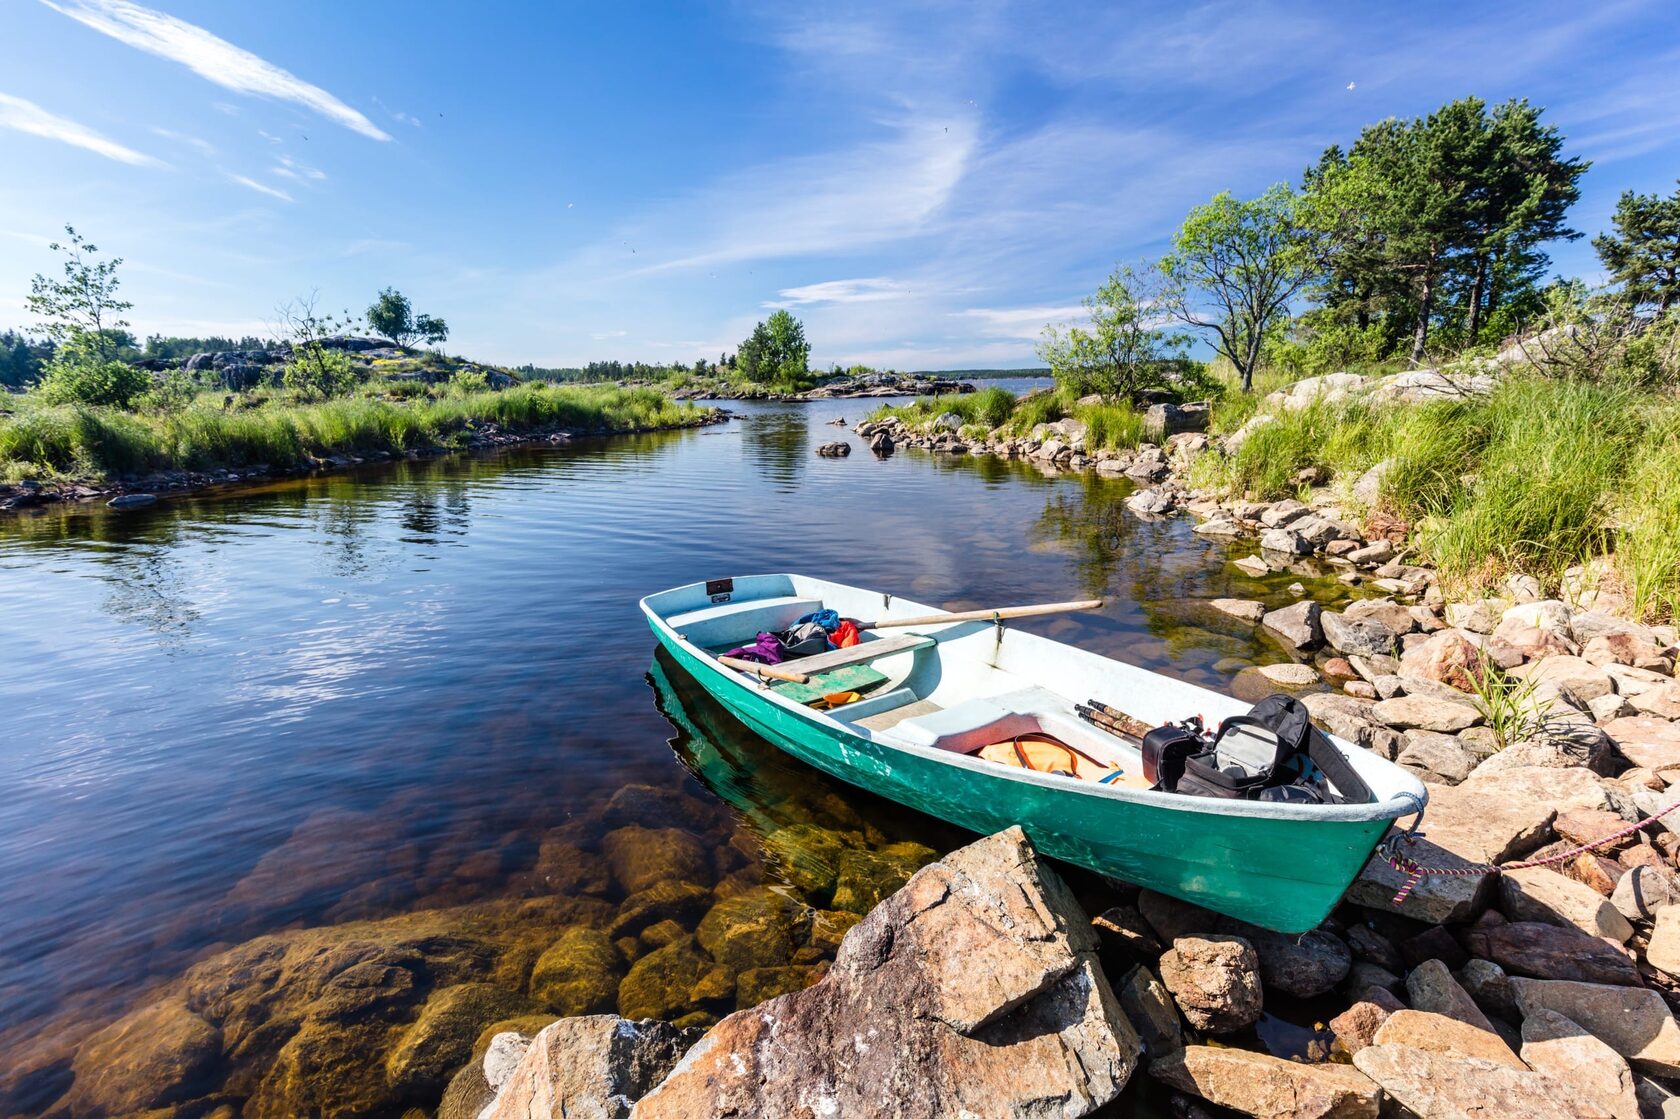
{"type": "Point", "coordinates": [212, 58]}
{"type": "Point", "coordinates": [26, 116]}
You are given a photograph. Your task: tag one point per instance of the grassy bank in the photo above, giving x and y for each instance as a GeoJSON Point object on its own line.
{"type": "Point", "coordinates": [52, 442]}
{"type": "Point", "coordinates": [1539, 476]}
{"type": "Point", "coordinates": [1113, 426]}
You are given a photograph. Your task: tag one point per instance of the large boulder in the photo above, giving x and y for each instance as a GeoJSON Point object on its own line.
{"type": "Point", "coordinates": [641, 857]}
{"type": "Point", "coordinates": [1261, 1085]}
{"type": "Point", "coordinates": [1366, 637]}
{"type": "Point", "coordinates": [1438, 1033]}
{"type": "Point", "coordinates": [1296, 626]}
{"type": "Point", "coordinates": [595, 1067]}
{"type": "Point", "coordinates": [1426, 712]}
{"type": "Point", "coordinates": [662, 983]}
{"type": "Point", "coordinates": [750, 929]}
{"type": "Point", "coordinates": [997, 1005]}
{"type": "Point", "coordinates": [1634, 1021]}
{"type": "Point", "coordinates": [1215, 980]}
{"type": "Point", "coordinates": [1447, 657]}
{"type": "Point", "coordinates": [1539, 894]}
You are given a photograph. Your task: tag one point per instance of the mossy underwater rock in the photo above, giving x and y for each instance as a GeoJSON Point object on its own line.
{"type": "Point", "coordinates": [669, 900]}
{"type": "Point", "coordinates": [751, 929]}
{"type": "Point", "coordinates": [661, 984]}
{"type": "Point", "coordinates": [807, 858]}
{"type": "Point", "coordinates": [441, 1039]}
{"type": "Point", "coordinates": [579, 973]}
{"type": "Point", "coordinates": [156, 1056]}
{"type": "Point", "coordinates": [867, 878]}
{"type": "Point", "coordinates": [641, 857]}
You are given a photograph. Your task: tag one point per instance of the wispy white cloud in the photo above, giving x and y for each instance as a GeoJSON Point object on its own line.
{"type": "Point", "coordinates": [870, 290]}
{"type": "Point", "coordinates": [876, 192]}
{"type": "Point", "coordinates": [210, 57]}
{"type": "Point", "coordinates": [26, 116]}
{"type": "Point", "coordinates": [288, 168]}
{"type": "Point", "coordinates": [603, 335]}
{"type": "Point", "coordinates": [1019, 322]}
{"type": "Point", "coordinates": [260, 188]}
{"type": "Point", "coordinates": [203, 147]}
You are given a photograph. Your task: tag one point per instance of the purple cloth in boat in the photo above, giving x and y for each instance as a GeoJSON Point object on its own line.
{"type": "Point", "coordinates": [766, 650]}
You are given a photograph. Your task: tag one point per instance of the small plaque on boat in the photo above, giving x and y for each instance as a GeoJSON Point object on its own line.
{"type": "Point", "coordinates": [719, 590]}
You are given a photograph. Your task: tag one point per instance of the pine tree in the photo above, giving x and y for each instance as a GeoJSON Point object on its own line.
{"type": "Point", "coordinates": [1644, 253]}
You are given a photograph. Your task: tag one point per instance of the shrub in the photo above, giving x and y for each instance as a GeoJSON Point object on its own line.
{"type": "Point", "coordinates": [171, 395]}
{"type": "Point", "coordinates": [84, 379]}
{"type": "Point", "coordinates": [318, 373]}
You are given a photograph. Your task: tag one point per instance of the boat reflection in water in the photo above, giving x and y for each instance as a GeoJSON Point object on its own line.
{"type": "Point", "coordinates": [815, 830]}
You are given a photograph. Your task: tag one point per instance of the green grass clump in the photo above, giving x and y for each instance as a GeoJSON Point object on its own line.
{"type": "Point", "coordinates": [1110, 426]}
{"type": "Point", "coordinates": [77, 440]}
{"type": "Point", "coordinates": [1647, 515]}
{"type": "Point", "coordinates": [989, 408]}
{"type": "Point", "coordinates": [1535, 496]}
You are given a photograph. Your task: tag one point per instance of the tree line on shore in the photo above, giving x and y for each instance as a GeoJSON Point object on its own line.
{"type": "Point", "coordinates": [1424, 239]}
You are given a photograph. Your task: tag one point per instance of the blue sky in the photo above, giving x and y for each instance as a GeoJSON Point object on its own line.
{"type": "Point", "coordinates": [924, 184]}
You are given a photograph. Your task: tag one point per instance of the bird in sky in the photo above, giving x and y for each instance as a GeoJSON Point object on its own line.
{"type": "Point", "coordinates": [1350, 85]}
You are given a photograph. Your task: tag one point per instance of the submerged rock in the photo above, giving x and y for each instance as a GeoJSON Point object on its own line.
{"type": "Point", "coordinates": [999, 1006]}
{"type": "Point", "coordinates": [579, 973]}
{"type": "Point", "coordinates": [151, 1058]}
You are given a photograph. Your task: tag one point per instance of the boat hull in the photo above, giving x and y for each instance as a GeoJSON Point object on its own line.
{"type": "Point", "coordinates": [1281, 874]}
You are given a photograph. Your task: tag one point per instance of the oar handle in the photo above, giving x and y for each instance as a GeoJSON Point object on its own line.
{"type": "Point", "coordinates": [768, 670]}
{"type": "Point", "coordinates": [987, 615]}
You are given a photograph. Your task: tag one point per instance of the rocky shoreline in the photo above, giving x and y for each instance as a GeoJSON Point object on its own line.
{"type": "Point", "coordinates": [850, 388]}
{"type": "Point", "coordinates": [142, 490]}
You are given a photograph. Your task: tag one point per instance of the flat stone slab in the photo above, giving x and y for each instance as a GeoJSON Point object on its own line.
{"type": "Point", "coordinates": [1463, 826]}
{"type": "Point", "coordinates": [1647, 742]}
{"type": "Point", "coordinates": [1634, 1021]}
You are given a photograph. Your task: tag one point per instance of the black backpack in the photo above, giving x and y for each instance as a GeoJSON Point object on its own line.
{"type": "Point", "coordinates": [1273, 753]}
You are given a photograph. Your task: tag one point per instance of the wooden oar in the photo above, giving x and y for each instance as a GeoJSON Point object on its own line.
{"type": "Point", "coordinates": [769, 670]}
{"type": "Point", "coordinates": [987, 615]}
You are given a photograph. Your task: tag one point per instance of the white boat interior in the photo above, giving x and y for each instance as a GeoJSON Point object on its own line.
{"type": "Point", "coordinates": [965, 686]}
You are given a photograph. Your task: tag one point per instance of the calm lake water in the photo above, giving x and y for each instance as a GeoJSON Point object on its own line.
{"type": "Point", "coordinates": [384, 674]}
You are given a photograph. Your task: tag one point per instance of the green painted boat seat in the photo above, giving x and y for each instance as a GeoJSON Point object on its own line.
{"type": "Point", "coordinates": [728, 624]}
{"type": "Point", "coordinates": [846, 678]}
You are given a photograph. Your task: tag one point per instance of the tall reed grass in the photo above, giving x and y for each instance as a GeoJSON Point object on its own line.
{"type": "Point", "coordinates": [76, 440]}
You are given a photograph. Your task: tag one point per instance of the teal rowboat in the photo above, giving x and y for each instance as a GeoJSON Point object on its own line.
{"type": "Point", "coordinates": [937, 694]}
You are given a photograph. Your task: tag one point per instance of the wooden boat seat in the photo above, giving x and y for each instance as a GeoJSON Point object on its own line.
{"type": "Point", "coordinates": [736, 623]}
{"type": "Point", "coordinates": [862, 653]}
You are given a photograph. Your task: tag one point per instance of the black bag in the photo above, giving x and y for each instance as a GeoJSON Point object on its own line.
{"type": "Point", "coordinates": [1273, 753]}
{"type": "Point", "coordinates": [804, 640]}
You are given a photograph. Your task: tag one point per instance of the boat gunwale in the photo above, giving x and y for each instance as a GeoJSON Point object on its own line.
{"type": "Point", "coordinates": [1404, 803]}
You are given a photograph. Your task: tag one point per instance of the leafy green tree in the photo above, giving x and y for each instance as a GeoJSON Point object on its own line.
{"type": "Point", "coordinates": [1643, 255]}
{"type": "Point", "coordinates": [82, 308]}
{"type": "Point", "coordinates": [22, 358]}
{"type": "Point", "coordinates": [1235, 266]}
{"type": "Point", "coordinates": [430, 329]}
{"type": "Point", "coordinates": [776, 352]}
{"type": "Point", "coordinates": [1125, 351]}
{"type": "Point", "coordinates": [392, 316]}
{"type": "Point", "coordinates": [1443, 213]}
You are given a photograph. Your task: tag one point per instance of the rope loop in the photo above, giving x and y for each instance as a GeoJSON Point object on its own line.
{"type": "Point", "coordinates": [1391, 850]}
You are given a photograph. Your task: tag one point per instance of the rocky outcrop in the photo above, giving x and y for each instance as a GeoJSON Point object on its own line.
{"type": "Point", "coordinates": [997, 1007]}
{"type": "Point", "coordinates": [1434, 1085]}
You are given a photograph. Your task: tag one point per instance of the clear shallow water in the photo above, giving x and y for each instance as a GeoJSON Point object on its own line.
{"type": "Point", "coordinates": [327, 699]}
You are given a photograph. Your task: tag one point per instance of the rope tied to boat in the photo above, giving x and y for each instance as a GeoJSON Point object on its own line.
{"type": "Point", "coordinates": [1390, 851]}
